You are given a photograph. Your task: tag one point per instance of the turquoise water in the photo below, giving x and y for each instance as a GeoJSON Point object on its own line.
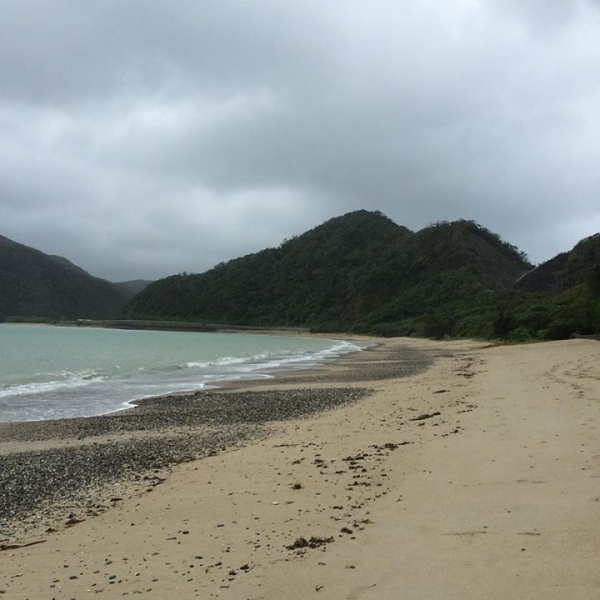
{"type": "Point", "coordinates": [51, 372]}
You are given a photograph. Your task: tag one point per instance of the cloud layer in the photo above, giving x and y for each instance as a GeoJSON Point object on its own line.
{"type": "Point", "coordinates": [142, 138]}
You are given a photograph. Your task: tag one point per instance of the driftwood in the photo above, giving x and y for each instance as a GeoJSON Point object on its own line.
{"type": "Point", "coordinates": [426, 416]}
{"type": "Point", "coordinates": [17, 546]}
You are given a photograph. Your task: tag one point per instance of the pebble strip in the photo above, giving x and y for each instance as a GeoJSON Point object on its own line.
{"type": "Point", "coordinates": [39, 486]}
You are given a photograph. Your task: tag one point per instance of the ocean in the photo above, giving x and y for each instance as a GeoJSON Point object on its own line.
{"type": "Point", "coordinates": [49, 372]}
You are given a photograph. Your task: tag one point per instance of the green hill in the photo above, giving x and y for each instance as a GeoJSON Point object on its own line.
{"type": "Point", "coordinates": [559, 298]}
{"type": "Point", "coordinates": [578, 266]}
{"type": "Point", "coordinates": [360, 272]}
{"type": "Point", "coordinates": [34, 284]}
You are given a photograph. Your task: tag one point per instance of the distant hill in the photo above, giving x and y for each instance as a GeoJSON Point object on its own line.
{"type": "Point", "coordinates": [357, 272]}
{"type": "Point", "coordinates": [559, 298]}
{"type": "Point", "coordinates": [34, 284]}
{"type": "Point", "coordinates": [566, 270]}
{"type": "Point", "coordinates": [545, 277]}
{"type": "Point", "coordinates": [129, 289]}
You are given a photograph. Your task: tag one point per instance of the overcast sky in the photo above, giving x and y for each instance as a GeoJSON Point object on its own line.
{"type": "Point", "coordinates": [143, 138]}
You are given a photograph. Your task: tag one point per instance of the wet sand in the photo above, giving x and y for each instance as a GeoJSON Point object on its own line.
{"type": "Point", "coordinates": [415, 470]}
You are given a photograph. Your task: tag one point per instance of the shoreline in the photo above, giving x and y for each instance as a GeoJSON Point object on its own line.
{"type": "Point", "coordinates": [89, 458]}
{"type": "Point", "coordinates": [475, 477]}
{"type": "Point", "coordinates": [111, 393]}
{"type": "Point", "coordinates": [140, 325]}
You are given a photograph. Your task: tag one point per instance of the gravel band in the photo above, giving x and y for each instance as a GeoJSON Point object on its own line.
{"type": "Point", "coordinates": [202, 408]}
{"type": "Point", "coordinates": [33, 482]}
{"type": "Point", "coordinates": [42, 486]}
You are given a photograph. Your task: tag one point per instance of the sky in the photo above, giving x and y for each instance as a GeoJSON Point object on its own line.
{"type": "Point", "coordinates": [144, 138]}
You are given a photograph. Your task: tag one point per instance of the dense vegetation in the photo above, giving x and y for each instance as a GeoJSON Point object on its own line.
{"type": "Point", "coordinates": [358, 273]}
{"type": "Point", "coordinates": [34, 284]}
{"type": "Point", "coordinates": [363, 273]}
{"type": "Point", "coordinates": [560, 298]}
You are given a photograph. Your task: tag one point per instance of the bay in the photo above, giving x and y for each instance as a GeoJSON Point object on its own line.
{"type": "Point", "coordinates": [49, 372]}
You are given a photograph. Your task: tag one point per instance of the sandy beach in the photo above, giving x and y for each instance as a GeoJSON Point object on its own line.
{"type": "Point", "coordinates": [413, 470]}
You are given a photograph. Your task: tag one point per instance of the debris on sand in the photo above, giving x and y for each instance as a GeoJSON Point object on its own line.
{"type": "Point", "coordinates": [313, 542]}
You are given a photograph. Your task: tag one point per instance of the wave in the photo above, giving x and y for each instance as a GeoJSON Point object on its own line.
{"type": "Point", "coordinates": [64, 382]}
{"type": "Point", "coordinates": [282, 358]}
{"type": "Point", "coordinates": [118, 386]}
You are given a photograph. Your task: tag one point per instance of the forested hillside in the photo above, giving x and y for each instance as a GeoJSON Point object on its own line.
{"type": "Point", "coordinates": [34, 284]}
{"type": "Point", "coordinates": [358, 272]}
{"type": "Point", "coordinates": [557, 299]}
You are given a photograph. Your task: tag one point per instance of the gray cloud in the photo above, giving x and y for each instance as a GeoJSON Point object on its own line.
{"type": "Point", "coordinates": [140, 138]}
